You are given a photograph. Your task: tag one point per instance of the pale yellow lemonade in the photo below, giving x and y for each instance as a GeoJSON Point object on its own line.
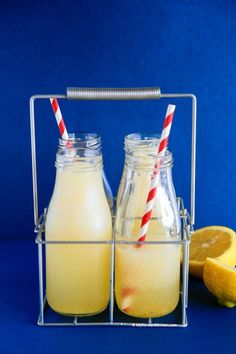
{"type": "Point", "coordinates": [78, 275]}
{"type": "Point", "coordinates": [147, 277]}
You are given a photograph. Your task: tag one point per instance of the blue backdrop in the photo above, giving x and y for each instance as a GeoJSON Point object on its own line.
{"type": "Point", "coordinates": [181, 46]}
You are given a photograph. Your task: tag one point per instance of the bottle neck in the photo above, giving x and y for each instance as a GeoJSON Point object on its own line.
{"type": "Point", "coordinates": [82, 151]}
{"type": "Point", "coordinates": [141, 153]}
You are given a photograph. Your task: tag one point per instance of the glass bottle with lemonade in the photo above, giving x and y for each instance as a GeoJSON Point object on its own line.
{"type": "Point", "coordinates": [147, 277]}
{"type": "Point", "coordinates": [78, 275]}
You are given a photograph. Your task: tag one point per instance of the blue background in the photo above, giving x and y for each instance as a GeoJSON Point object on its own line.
{"type": "Point", "coordinates": [184, 46]}
{"type": "Point", "coordinates": [181, 46]}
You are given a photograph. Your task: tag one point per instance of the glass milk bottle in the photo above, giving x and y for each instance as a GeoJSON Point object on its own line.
{"type": "Point", "coordinates": [78, 275]}
{"type": "Point", "coordinates": [147, 276]}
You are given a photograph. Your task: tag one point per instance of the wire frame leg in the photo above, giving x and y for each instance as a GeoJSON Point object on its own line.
{"type": "Point", "coordinates": [184, 282]}
{"type": "Point", "coordinates": [186, 273]}
{"type": "Point", "coordinates": [111, 307]}
{"type": "Point", "coordinates": [41, 295]}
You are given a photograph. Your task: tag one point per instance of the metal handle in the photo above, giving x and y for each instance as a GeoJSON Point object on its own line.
{"type": "Point", "coordinates": [80, 93]}
{"type": "Point", "coordinates": [149, 93]}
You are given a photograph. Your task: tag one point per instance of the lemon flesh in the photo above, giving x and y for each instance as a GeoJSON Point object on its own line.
{"type": "Point", "coordinates": [220, 280]}
{"type": "Point", "coordinates": [217, 242]}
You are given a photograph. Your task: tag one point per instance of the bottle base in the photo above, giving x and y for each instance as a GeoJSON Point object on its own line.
{"type": "Point", "coordinates": [149, 314]}
{"type": "Point", "coordinates": [77, 313]}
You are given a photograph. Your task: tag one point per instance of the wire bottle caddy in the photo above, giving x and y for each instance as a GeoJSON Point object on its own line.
{"type": "Point", "coordinates": [111, 315]}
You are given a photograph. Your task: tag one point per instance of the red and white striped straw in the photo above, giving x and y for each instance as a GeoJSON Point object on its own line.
{"type": "Point", "coordinates": [153, 187]}
{"type": "Point", "coordinates": [59, 118]}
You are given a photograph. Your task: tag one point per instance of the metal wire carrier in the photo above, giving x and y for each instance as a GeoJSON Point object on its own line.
{"type": "Point", "coordinates": [112, 316]}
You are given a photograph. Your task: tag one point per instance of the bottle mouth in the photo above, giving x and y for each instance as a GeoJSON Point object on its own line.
{"type": "Point", "coordinates": [139, 140]}
{"type": "Point", "coordinates": [82, 147]}
{"type": "Point", "coordinates": [82, 140]}
{"type": "Point", "coordinates": [141, 151]}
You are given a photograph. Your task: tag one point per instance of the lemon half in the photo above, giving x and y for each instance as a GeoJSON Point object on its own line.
{"type": "Point", "coordinates": [217, 242]}
{"type": "Point", "coordinates": [220, 280]}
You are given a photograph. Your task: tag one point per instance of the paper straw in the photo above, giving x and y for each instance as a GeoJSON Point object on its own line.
{"type": "Point", "coordinates": [153, 187]}
{"type": "Point", "coordinates": [59, 118]}
{"type": "Point", "coordinates": [65, 136]}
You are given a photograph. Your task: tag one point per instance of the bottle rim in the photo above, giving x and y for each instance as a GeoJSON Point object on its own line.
{"type": "Point", "coordinates": [141, 151]}
{"type": "Point", "coordinates": [83, 139]}
{"type": "Point", "coordinates": [146, 136]}
{"type": "Point", "coordinates": [82, 147]}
